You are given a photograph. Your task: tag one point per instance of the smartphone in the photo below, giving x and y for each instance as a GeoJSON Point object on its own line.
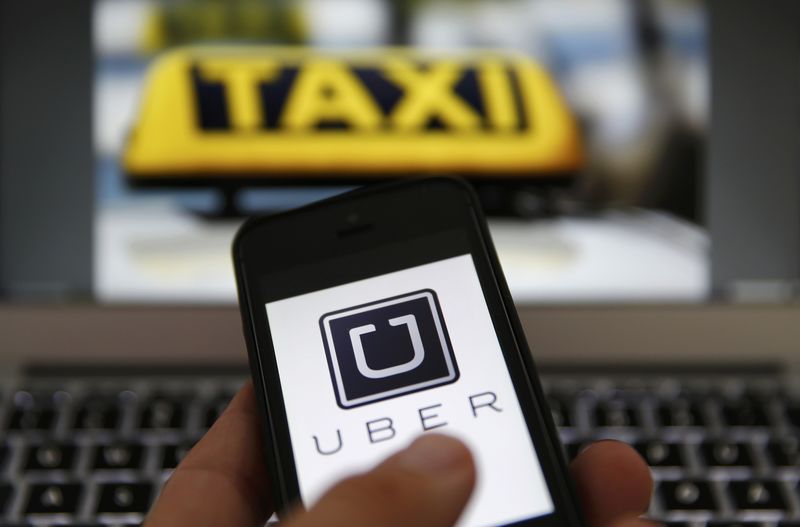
{"type": "Point", "coordinates": [382, 314]}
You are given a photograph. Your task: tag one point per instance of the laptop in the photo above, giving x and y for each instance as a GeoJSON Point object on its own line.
{"type": "Point", "coordinates": [122, 342]}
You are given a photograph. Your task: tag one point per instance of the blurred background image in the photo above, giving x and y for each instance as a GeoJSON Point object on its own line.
{"type": "Point", "coordinates": [634, 75]}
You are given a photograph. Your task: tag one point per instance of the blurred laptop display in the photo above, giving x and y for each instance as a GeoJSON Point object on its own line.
{"type": "Point", "coordinates": [633, 76]}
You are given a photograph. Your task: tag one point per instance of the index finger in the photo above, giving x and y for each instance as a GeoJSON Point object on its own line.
{"type": "Point", "coordinates": [222, 480]}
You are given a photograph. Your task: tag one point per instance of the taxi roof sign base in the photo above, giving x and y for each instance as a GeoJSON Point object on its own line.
{"type": "Point", "coordinates": [498, 196]}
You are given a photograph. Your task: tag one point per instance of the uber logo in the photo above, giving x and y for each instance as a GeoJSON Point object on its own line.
{"type": "Point", "coordinates": [387, 348]}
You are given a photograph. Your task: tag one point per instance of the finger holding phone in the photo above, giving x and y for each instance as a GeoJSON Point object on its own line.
{"type": "Point", "coordinates": [223, 482]}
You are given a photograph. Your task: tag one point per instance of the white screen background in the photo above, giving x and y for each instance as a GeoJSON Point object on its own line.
{"type": "Point", "coordinates": [510, 485]}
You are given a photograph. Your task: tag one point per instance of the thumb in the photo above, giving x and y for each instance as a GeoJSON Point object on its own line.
{"type": "Point", "coordinates": [426, 485]}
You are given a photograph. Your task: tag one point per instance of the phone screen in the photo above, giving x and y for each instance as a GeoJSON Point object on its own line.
{"type": "Point", "coordinates": [368, 364]}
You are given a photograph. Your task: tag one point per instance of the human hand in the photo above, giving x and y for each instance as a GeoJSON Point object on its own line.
{"type": "Point", "coordinates": [222, 481]}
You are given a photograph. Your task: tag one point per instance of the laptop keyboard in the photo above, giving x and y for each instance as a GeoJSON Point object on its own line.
{"type": "Point", "coordinates": [724, 450]}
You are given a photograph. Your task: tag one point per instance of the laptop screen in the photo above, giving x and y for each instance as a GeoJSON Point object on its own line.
{"type": "Point", "coordinates": [618, 221]}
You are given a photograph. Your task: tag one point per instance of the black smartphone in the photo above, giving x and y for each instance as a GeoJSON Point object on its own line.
{"type": "Point", "coordinates": [382, 314]}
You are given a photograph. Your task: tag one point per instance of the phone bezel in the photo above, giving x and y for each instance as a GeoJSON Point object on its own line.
{"type": "Point", "coordinates": [310, 233]}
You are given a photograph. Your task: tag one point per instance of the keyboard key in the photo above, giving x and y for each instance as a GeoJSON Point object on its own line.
{"type": "Point", "coordinates": [50, 498]}
{"type": "Point", "coordinates": [98, 416]}
{"type": "Point", "coordinates": [162, 413]}
{"type": "Point", "coordinates": [746, 411]}
{"type": "Point", "coordinates": [118, 457]}
{"type": "Point", "coordinates": [50, 457]}
{"type": "Point", "coordinates": [726, 454]}
{"type": "Point", "coordinates": [757, 496]}
{"type": "Point", "coordinates": [793, 415]}
{"type": "Point", "coordinates": [660, 454]}
{"type": "Point", "coordinates": [687, 495]}
{"type": "Point", "coordinates": [214, 410]}
{"type": "Point", "coordinates": [560, 410]}
{"type": "Point", "coordinates": [784, 452]}
{"type": "Point", "coordinates": [124, 498]}
{"type": "Point", "coordinates": [571, 450]}
{"type": "Point", "coordinates": [174, 454]}
{"type": "Point", "coordinates": [763, 395]}
{"type": "Point", "coordinates": [5, 497]}
{"type": "Point", "coordinates": [732, 523]}
{"type": "Point", "coordinates": [680, 413]}
{"type": "Point", "coordinates": [31, 419]}
{"type": "Point", "coordinates": [615, 414]}
{"type": "Point", "coordinates": [35, 409]}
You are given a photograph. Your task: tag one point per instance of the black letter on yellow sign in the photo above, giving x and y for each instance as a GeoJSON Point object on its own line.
{"type": "Point", "coordinates": [241, 79]}
{"type": "Point", "coordinates": [327, 91]}
{"type": "Point", "coordinates": [429, 93]}
{"type": "Point", "coordinates": [501, 108]}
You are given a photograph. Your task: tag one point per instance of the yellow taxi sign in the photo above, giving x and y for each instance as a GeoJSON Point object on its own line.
{"type": "Point", "coordinates": [264, 111]}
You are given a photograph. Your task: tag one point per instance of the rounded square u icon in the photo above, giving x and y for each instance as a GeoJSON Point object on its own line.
{"type": "Point", "coordinates": [387, 348]}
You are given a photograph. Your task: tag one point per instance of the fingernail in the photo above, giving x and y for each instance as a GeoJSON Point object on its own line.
{"type": "Point", "coordinates": [435, 453]}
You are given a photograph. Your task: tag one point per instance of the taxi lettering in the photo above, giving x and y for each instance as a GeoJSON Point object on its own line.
{"type": "Point", "coordinates": [397, 96]}
{"type": "Point", "coordinates": [245, 113]}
